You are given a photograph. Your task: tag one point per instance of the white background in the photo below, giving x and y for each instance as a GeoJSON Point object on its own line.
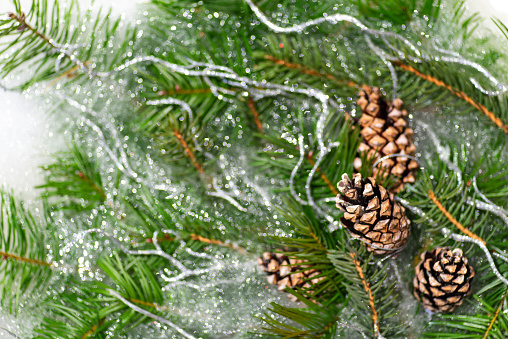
{"type": "Point", "coordinates": [27, 137]}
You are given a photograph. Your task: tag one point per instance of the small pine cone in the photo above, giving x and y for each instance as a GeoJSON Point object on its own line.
{"type": "Point", "coordinates": [372, 215]}
{"type": "Point", "coordinates": [284, 271]}
{"type": "Point", "coordinates": [443, 279]}
{"type": "Point", "coordinates": [385, 132]}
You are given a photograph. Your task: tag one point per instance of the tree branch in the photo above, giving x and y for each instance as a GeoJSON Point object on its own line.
{"type": "Point", "coordinates": [368, 290]}
{"type": "Point", "coordinates": [252, 107]}
{"type": "Point", "coordinates": [495, 316]}
{"type": "Point", "coordinates": [23, 259]}
{"type": "Point", "coordinates": [187, 150]}
{"type": "Point", "coordinates": [453, 220]}
{"type": "Point", "coordinates": [458, 93]}
{"type": "Point", "coordinates": [25, 25]}
{"type": "Point", "coordinates": [306, 70]}
{"type": "Point", "coordinates": [92, 184]}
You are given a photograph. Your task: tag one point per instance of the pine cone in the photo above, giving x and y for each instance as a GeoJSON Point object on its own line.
{"type": "Point", "coordinates": [372, 215]}
{"type": "Point", "coordinates": [443, 279]}
{"type": "Point", "coordinates": [385, 132]}
{"type": "Point", "coordinates": [284, 271]}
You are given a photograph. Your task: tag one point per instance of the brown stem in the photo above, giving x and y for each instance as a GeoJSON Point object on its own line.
{"type": "Point", "coordinates": [89, 333]}
{"type": "Point", "coordinates": [23, 259]}
{"type": "Point", "coordinates": [456, 92]}
{"type": "Point", "coordinates": [306, 70]}
{"type": "Point", "coordinates": [454, 221]}
{"type": "Point", "coordinates": [369, 292]}
{"type": "Point", "coordinates": [92, 184]}
{"type": "Point", "coordinates": [25, 25]}
{"type": "Point", "coordinates": [196, 237]}
{"type": "Point", "coordinates": [67, 74]}
{"type": "Point", "coordinates": [217, 242]}
{"type": "Point", "coordinates": [177, 91]}
{"type": "Point", "coordinates": [252, 107]}
{"type": "Point", "coordinates": [495, 316]}
{"type": "Point", "coordinates": [188, 151]}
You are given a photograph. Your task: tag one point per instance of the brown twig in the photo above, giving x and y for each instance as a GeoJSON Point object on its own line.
{"type": "Point", "coordinates": [217, 242]}
{"type": "Point", "coordinates": [368, 290]}
{"type": "Point", "coordinates": [89, 333]}
{"type": "Point", "coordinates": [187, 150]}
{"type": "Point", "coordinates": [454, 221]}
{"type": "Point", "coordinates": [458, 93]}
{"type": "Point", "coordinates": [92, 184]}
{"type": "Point", "coordinates": [196, 237]}
{"type": "Point", "coordinates": [495, 316]}
{"type": "Point", "coordinates": [306, 70]}
{"type": "Point", "coordinates": [23, 259]}
{"type": "Point", "coordinates": [178, 91]}
{"type": "Point", "coordinates": [252, 107]}
{"type": "Point", "coordinates": [66, 74]}
{"type": "Point", "coordinates": [25, 25]}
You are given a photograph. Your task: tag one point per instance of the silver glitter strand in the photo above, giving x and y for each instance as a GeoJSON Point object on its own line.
{"type": "Point", "coordinates": [464, 238]}
{"type": "Point", "coordinates": [308, 187]}
{"type": "Point", "coordinates": [333, 19]}
{"type": "Point", "coordinates": [443, 153]}
{"type": "Point", "coordinates": [151, 315]}
{"type": "Point", "coordinates": [10, 333]}
{"type": "Point", "coordinates": [295, 172]}
{"type": "Point", "coordinates": [489, 208]}
{"type": "Point", "coordinates": [172, 101]}
{"type": "Point", "coordinates": [219, 193]}
{"type": "Point", "coordinates": [384, 57]}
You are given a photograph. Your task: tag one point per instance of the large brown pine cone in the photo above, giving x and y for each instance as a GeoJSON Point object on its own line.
{"type": "Point", "coordinates": [385, 132]}
{"type": "Point", "coordinates": [443, 279]}
{"type": "Point", "coordinates": [284, 271]}
{"type": "Point", "coordinates": [372, 215]}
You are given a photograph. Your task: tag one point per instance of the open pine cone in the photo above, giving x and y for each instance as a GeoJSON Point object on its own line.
{"type": "Point", "coordinates": [284, 271]}
{"type": "Point", "coordinates": [385, 132]}
{"type": "Point", "coordinates": [443, 279]}
{"type": "Point", "coordinates": [372, 215]}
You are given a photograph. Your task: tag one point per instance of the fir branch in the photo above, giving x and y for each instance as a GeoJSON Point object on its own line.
{"type": "Point", "coordinates": [179, 91]}
{"type": "Point", "coordinates": [252, 107]}
{"type": "Point", "coordinates": [5, 255]}
{"type": "Point", "coordinates": [456, 92]}
{"type": "Point", "coordinates": [188, 151]}
{"type": "Point", "coordinates": [453, 220]}
{"type": "Point", "coordinates": [495, 315]}
{"type": "Point", "coordinates": [368, 290]}
{"type": "Point", "coordinates": [74, 181]}
{"type": "Point", "coordinates": [24, 25]}
{"type": "Point", "coordinates": [23, 241]}
{"type": "Point", "coordinates": [309, 71]}
{"type": "Point", "coordinates": [196, 237]}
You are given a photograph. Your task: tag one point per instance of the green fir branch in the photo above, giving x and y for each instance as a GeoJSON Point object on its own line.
{"type": "Point", "coordinates": [57, 42]}
{"type": "Point", "coordinates": [74, 181]}
{"type": "Point", "coordinates": [24, 249]}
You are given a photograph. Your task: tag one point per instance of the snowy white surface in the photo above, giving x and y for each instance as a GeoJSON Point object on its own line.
{"type": "Point", "coordinates": [27, 138]}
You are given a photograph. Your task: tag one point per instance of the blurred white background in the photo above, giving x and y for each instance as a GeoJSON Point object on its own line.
{"type": "Point", "coordinates": [27, 136]}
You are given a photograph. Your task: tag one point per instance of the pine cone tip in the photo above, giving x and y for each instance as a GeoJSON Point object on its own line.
{"type": "Point", "coordinates": [443, 279]}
